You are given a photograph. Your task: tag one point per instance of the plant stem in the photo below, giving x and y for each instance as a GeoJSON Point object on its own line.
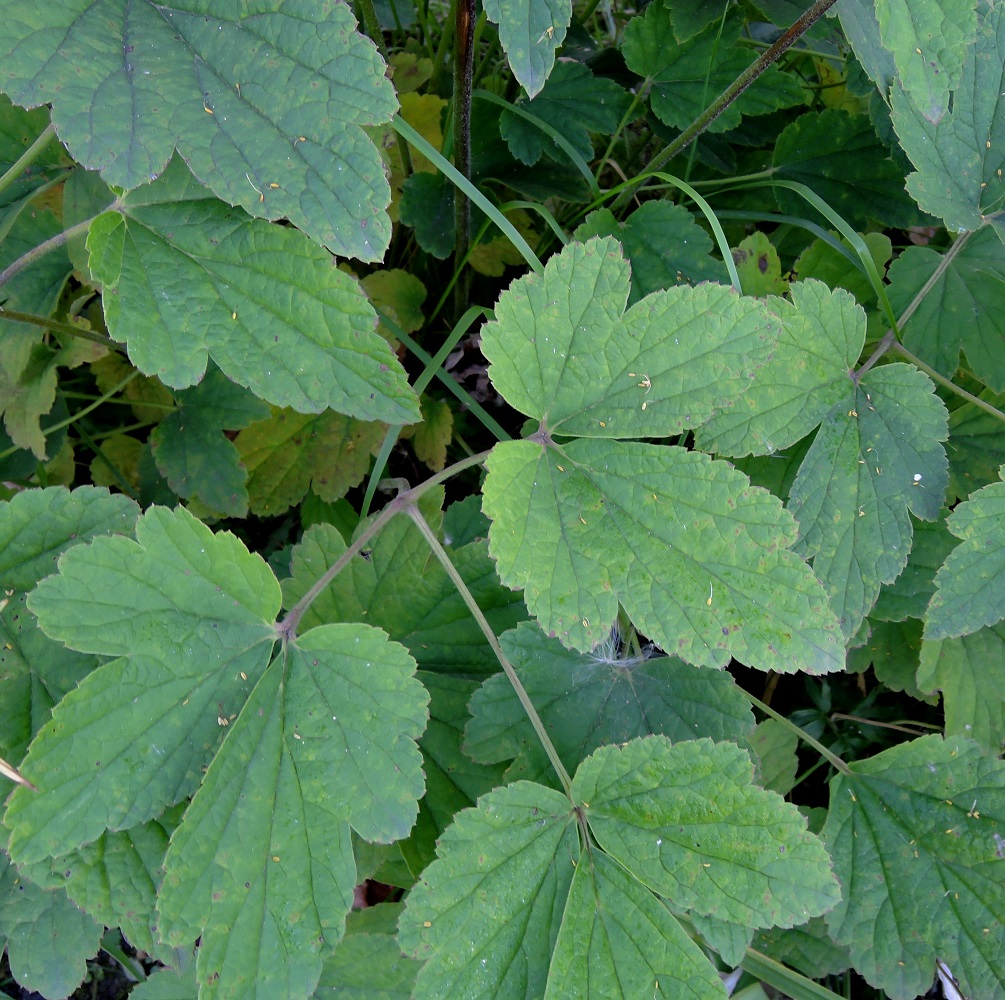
{"type": "Point", "coordinates": [65, 328]}
{"type": "Point", "coordinates": [287, 628]}
{"type": "Point", "coordinates": [830, 757]}
{"type": "Point", "coordinates": [35, 253]}
{"type": "Point", "coordinates": [27, 158]}
{"type": "Point", "coordinates": [730, 94]}
{"type": "Point", "coordinates": [511, 675]}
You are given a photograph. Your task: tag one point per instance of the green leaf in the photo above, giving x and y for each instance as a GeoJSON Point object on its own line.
{"type": "Point", "coordinates": [427, 205]}
{"type": "Point", "coordinates": [663, 243]}
{"type": "Point", "coordinates": [970, 673]}
{"type": "Point", "coordinates": [367, 966]}
{"type": "Point", "coordinates": [730, 940]}
{"type": "Point", "coordinates": [758, 266]}
{"type": "Point", "coordinates": [860, 25]}
{"type": "Point", "coordinates": [619, 940]}
{"type": "Point", "coordinates": [806, 948]}
{"type": "Point", "coordinates": [877, 456]}
{"type": "Point", "coordinates": [893, 650]}
{"type": "Point", "coordinates": [186, 277]}
{"type": "Point", "coordinates": [840, 158]}
{"type": "Point", "coordinates": [168, 984]}
{"type": "Point", "coordinates": [968, 591]}
{"type": "Point", "coordinates": [575, 103]}
{"type": "Point", "coordinates": [289, 453]}
{"type": "Point", "coordinates": [958, 158]}
{"type": "Point", "coordinates": [909, 594]}
{"type": "Point", "coordinates": [35, 673]}
{"type": "Point", "coordinates": [48, 939]}
{"type": "Point", "coordinates": [265, 106]}
{"type": "Point", "coordinates": [976, 447]}
{"type": "Point", "coordinates": [434, 434]}
{"type": "Point", "coordinates": [916, 835]}
{"type": "Point", "coordinates": [687, 820]}
{"type": "Point", "coordinates": [36, 526]}
{"type": "Point", "coordinates": [531, 31]}
{"type": "Point", "coordinates": [820, 260]}
{"type": "Point", "coordinates": [775, 745]}
{"type": "Point", "coordinates": [194, 455]}
{"type": "Point", "coordinates": [699, 559]}
{"type": "Point", "coordinates": [929, 44]}
{"type": "Point", "coordinates": [485, 915]}
{"type": "Point", "coordinates": [823, 332]}
{"type": "Point", "coordinates": [963, 306]}
{"type": "Point", "coordinates": [398, 586]}
{"type": "Point", "coordinates": [588, 701]}
{"type": "Point", "coordinates": [261, 867]}
{"type": "Point", "coordinates": [191, 614]}
{"type": "Point", "coordinates": [18, 130]}
{"type": "Point", "coordinates": [686, 76]}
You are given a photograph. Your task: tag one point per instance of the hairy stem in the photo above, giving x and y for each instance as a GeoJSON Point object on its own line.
{"type": "Point", "coordinates": [65, 328]}
{"type": "Point", "coordinates": [464, 71]}
{"type": "Point", "coordinates": [831, 758]}
{"type": "Point", "coordinates": [730, 94]}
{"type": "Point", "coordinates": [521, 691]}
{"type": "Point", "coordinates": [35, 253]}
{"type": "Point", "coordinates": [287, 628]}
{"type": "Point", "coordinates": [28, 157]}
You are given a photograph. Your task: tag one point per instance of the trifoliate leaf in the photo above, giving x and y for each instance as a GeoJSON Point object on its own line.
{"type": "Point", "coordinates": [485, 915]}
{"type": "Point", "coordinates": [840, 158]}
{"type": "Point", "coordinates": [186, 276]}
{"type": "Point", "coordinates": [963, 306]}
{"type": "Point", "coordinates": [823, 331]}
{"type": "Point", "coordinates": [758, 266]}
{"type": "Point", "coordinates": [575, 103]}
{"type": "Point", "coordinates": [958, 160]}
{"type": "Point", "coordinates": [275, 127]}
{"type": "Point", "coordinates": [48, 939]}
{"type": "Point", "coordinates": [968, 591]}
{"type": "Point", "coordinates": [261, 867]}
{"type": "Point", "coordinates": [970, 673]}
{"type": "Point", "coordinates": [191, 614]}
{"type": "Point", "coordinates": [916, 834]}
{"type": "Point", "coordinates": [820, 260]}
{"type": "Point", "coordinates": [530, 31]}
{"type": "Point", "coordinates": [663, 243]}
{"type": "Point", "coordinates": [698, 558]}
{"type": "Point", "coordinates": [35, 673]}
{"type": "Point", "coordinates": [688, 821]}
{"type": "Point", "coordinates": [929, 44]}
{"type": "Point", "coordinates": [877, 456]}
{"type": "Point", "coordinates": [686, 76]}
{"type": "Point", "coordinates": [288, 453]}
{"type": "Point", "coordinates": [36, 526]}
{"type": "Point", "coordinates": [588, 701]}
{"type": "Point", "coordinates": [619, 940]}
{"type": "Point", "coordinates": [399, 586]}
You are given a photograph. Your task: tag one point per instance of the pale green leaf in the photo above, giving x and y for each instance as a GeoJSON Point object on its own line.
{"type": "Point", "coordinates": [916, 833]}
{"type": "Point", "coordinates": [434, 434]}
{"type": "Point", "coordinates": [877, 456]}
{"type": "Point", "coordinates": [687, 76]}
{"type": "Point", "coordinates": [49, 940]}
{"type": "Point", "coordinates": [575, 103]}
{"type": "Point", "coordinates": [929, 42]}
{"type": "Point", "coordinates": [963, 306]}
{"type": "Point", "coordinates": [194, 278]}
{"type": "Point", "coordinates": [398, 293]}
{"type": "Point", "coordinates": [688, 821]}
{"type": "Point", "coordinates": [261, 867]}
{"type": "Point", "coordinates": [958, 159]}
{"type": "Point", "coordinates": [192, 616]}
{"type": "Point", "coordinates": [36, 526]}
{"type": "Point", "coordinates": [35, 673]}
{"type": "Point", "coordinates": [588, 701]}
{"type": "Point", "coordinates": [663, 243]}
{"type": "Point", "coordinates": [841, 159]}
{"type": "Point", "coordinates": [266, 105]}
{"type": "Point", "coordinates": [485, 915]}
{"type": "Point", "coordinates": [531, 31]}
{"type": "Point", "coordinates": [968, 590]}
{"type": "Point", "coordinates": [759, 267]}
{"type": "Point", "coordinates": [698, 557]}
{"type": "Point", "coordinates": [970, 673]}
{"type": "Point", "coordinates": [618, 941]}
{"type": "Point", "coordinates": [775, 745]}
{"type": "Point", "coordinates": [823, 331]}
{"type": "Point", "coordinates": [288, 453]}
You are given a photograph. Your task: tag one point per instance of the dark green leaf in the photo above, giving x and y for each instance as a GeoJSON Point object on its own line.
{"type": "Point", "coordinates": [427, 205]}
{"type": "Point", "coordinates": [976, 447]}
{"type": "Point", "coordinates": [820, 260]}
{"type": "Point", "coordinates": [909, 594]}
